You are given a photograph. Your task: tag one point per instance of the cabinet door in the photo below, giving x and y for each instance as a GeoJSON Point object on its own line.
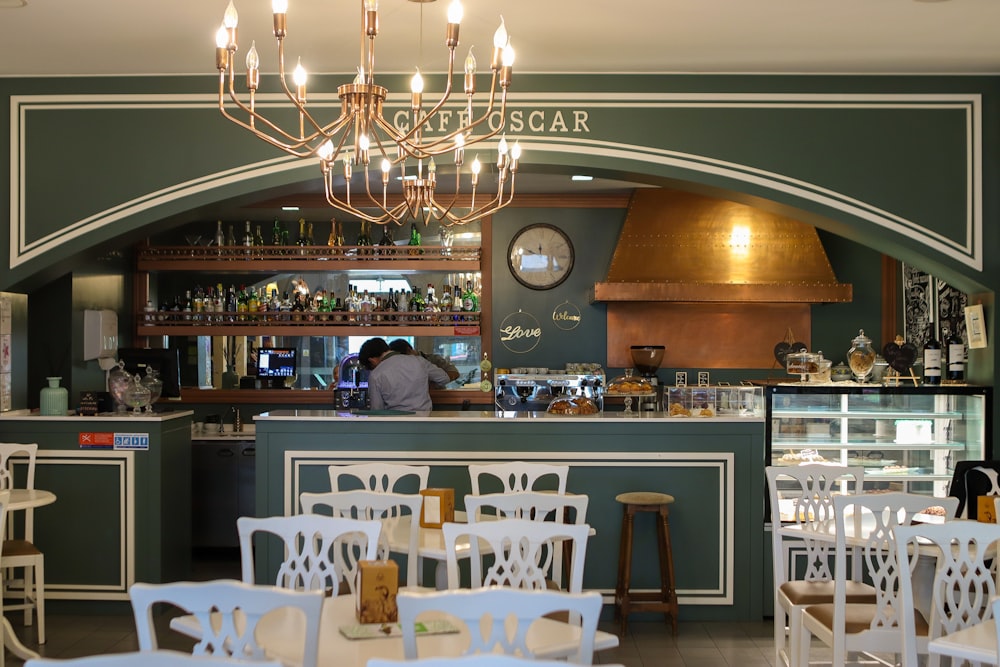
{"type": "Point", "coordinates": [215, 486]}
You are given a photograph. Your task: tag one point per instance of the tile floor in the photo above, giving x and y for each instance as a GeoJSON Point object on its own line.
{"type": "Point", "coordinates": [648, 644]}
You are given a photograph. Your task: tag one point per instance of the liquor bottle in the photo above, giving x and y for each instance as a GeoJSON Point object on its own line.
{"type": "Point", "coordinates": [199, 302]}
{"type": "Point", "coordinates": [310, 240]}
{"type": "Point", "coordinates": [956, 356]}
{"type": "Point", "coordinates": [430, 300]}
{"type": "Point", "coordinates": [301, 241]}
{"type": "Point", "coordinates": [456, 300]}
{"type": "Point", "coordinates": [258, 239]}
{"type": "Point", "coordinates": [445, 301]}
{"type": "Point", "coordinates": [230, 237]}
{"type": "Point", "coordinates": [470, 300]}
{"type": "Point", "coordinates": [220, 238]}
{"type": "Point", "coordinates": [364, 238]}
{"type": "Point", "coordinates": [253, 301]}
{"type": "Point", "coordinates": [247, 240]}
{"type": "Point", "coordinates": [276, 233]}
{"type": "Point", "coordinates": [336, 239]}
{"type": "Point", "coordinates": [366, 306]}
{"type": "Point", "coordinates": [188, 307]}
{"type": "Point", "coordinates": [416, 301]}
{"type": "Point", "coordinates": [932, 362]}
{"type": "Point", "coordinates": [414, 239]}
{"type": "Point", "coordinates": [275, 304]}
{"type": "Point", "coordinates": [243, 300]}
{"type": "Point", "coordinates": [386, 239]}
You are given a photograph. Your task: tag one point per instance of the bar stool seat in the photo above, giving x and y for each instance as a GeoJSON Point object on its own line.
{"type": "Point", "coordinates": [664, 600]}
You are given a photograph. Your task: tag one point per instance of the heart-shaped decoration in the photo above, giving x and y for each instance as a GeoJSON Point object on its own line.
{"type": "Point", "coordinates": [889, 352]}
{"type": "Point", "coordinates": [781, 351]}
{"type": "Point", "coordinates": [905, 358]}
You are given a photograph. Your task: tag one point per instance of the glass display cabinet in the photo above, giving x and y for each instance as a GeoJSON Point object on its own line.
{"type": "Point", "coordinates": [907, 438]}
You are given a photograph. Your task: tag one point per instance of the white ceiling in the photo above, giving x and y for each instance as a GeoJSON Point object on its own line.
{"type": "Point", "coordinates": [103, 37]}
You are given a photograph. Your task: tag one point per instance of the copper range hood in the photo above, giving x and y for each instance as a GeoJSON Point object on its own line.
{"type": "Point", "coordinates": [718, 282]}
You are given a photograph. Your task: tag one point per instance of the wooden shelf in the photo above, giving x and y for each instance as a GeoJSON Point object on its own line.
{"type": "Point", "coordinates": [287, 259]}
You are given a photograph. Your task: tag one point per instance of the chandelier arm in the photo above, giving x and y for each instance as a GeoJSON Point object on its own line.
{"type": "Point", "coordinates": [303, 114]}
{"type": "Point", "coordinates": [440, 103]}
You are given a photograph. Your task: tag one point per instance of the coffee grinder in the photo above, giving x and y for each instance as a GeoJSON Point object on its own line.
{"type": "Point", "coordinates": [647, 360]}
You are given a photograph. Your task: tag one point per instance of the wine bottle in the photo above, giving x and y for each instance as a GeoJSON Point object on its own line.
{"type": "Point", "coordinates": [276, 233]}
{"type": "Point", "coordinates": [956, 356]}
{"type": "Point", "coordinates": [414, 239]}
{"type": "Point", "coordinates": [470, 300]}
{"type": "Point", "coordinates": [386, 240]}
{"type": "Point", "coordinates": [258, 238]}
{"type": "Point", "coordinates": [932, 362]}
{"type": "Point", "coordinates": [301, 241]}
{"type": "Point", "coordinates": [220, 238]}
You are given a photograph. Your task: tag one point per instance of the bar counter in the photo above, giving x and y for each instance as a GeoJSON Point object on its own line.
{"type": "Point", "coordinates": [123, 499]}
{"type": "Point", "coordinates": [714, 468]}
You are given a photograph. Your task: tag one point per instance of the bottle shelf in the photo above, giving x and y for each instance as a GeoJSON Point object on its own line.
{"type": "Point", "coordinates": [283, 259]}
{"type": "Point", "coordinates": [171, 323]}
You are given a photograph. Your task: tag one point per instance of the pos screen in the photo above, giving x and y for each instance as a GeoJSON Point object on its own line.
{"type": "Point", "coordinates": [274, 362]}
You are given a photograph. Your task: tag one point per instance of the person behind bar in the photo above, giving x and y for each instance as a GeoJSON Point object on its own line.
{"type": "Point", "coordinates": [403, 347]}
{"type": "Point", "coordinates": [398, 381]}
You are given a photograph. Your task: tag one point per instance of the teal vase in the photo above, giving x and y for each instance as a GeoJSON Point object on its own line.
{"type": "Point", "coordinates": [54, 400]}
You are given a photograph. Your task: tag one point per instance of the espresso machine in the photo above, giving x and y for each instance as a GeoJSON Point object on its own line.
{"type": "Point", "coordinates": [647, 360]}
{"type": "Point", "coordinates": [352, 387]}
{"type": "Point", "coordinates": [532, 392]}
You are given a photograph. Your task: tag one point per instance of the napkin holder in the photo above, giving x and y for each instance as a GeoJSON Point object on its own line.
{"type": "Point", "coordinates": [438, 507]}
{"type": "Point", "coordinates": [986, 509]}
{"type": "Point", "coordinates": [378, 583]}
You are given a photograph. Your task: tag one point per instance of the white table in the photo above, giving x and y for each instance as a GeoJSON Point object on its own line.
{"type": "Point", "coordinates": [278, 633]}
{"type": "Point", "coordinates": [977, 643]}
{"type": "Point", "coordinates": [430, 544]}
{"type": "Point", "coordinates": [22, 499]}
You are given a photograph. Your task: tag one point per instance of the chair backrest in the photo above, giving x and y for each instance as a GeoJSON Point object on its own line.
{"type": "Point", "coordinates": [529, 505]}
{"type": "Point", "coordinates": [319, 551]}
{"type": "Point", "coordinates": [970, 480]}
{"type": "Point", "coordinates": [223, 635]}
{"type": "Point", "coordinates": [399, 514]}
{"type": "Point", "coordinates": [477, 660]}
{"type": "Point", "coordinates": [10, 450]}
{"type": "Point", "coordinates": [964, 581]}
{"type": "Point", "coordinates": [872, 519]}
{"type": "Point", "coordinates": [522, 551]}
{"type": "Point", "coordinates": [381, 477]}
{"type": "Point", "coordinates": [803, 495]}
{"type": "Point", "coordinates": [518, 475]}
{"type": "Point", "coordinates": [158, 658]}
{"type": "Point", "coordinates": [487, 613]}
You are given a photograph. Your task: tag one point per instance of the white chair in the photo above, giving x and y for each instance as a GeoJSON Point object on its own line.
{"type": "Point", "coordinates": [478, 660]}
{"type": "Point", "coordinates": [22, 552]}
{"type": "Point", "coordinates": [964, 582]}
{"type": "Point", "coordinates": [522, 551]}
{"type": "Point", "coordinates": [321, 552]}
{"type": "Point", "coordinates": [533, 506]}
{"type": "Point", "coordinates": [518, 475]}
{"type": "Point", "coordinates": [227, 613]}
{"type": "Point", "coordinates": [380, 477]}
{"type": "Point", "coordinates": [485, 612]}
{"type": "Point", "coordinates": [803, 496]}
{"type": "Point", "coordinates": [387, 508]}
{"type": "Point", "coordinates": [158, 658]}
{"type": "Point", "coordinates": [872, 627]}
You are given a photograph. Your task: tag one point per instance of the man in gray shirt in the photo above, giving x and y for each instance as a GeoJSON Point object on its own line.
{"type": "Point", "coordinates": [398, 381]}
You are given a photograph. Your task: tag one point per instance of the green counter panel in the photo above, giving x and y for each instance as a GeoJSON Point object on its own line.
{"type": "Point", "coordinates": [713, 468]}
{"type": "Point", "coordinates": [120, 516]}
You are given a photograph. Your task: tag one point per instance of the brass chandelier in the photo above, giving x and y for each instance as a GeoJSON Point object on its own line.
{"type": "Point", "coordinates": [361, 132]}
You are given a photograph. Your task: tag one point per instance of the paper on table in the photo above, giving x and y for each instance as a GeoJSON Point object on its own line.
{"type": "Point", "coordinates": [381, 630]}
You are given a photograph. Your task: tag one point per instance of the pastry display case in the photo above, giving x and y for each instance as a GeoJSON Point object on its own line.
{"type": "Point", "coordinates": [713, 401]}
{"type": "Point", "coordinates": [906, 438]}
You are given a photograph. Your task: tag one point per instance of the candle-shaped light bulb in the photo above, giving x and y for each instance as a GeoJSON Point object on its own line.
{"type": "Point", "coordinates": [279, 6]}
{"type": "Point", "coordinates": [431, 168]}
{"type": "Point", "coordinates": [500, 38]}
{"type": "Point", "coordinates": [325, 151]}
{"type": "Point", "coordinates": [231, 17]}
{"type": "Point", "coordinates": [470, 63]}
{"type": "Point", "coordinates": [363, 143]}
{"type": "Point", "coordinates": [359, 78]}
{"type": "Point", "coordinates": [515, 152]}
{"type": "Point", "coordinates": [417, 83]}
{"type": "Point", "coordinates": [386, 165]}
{"type": "Point", "coordinates": [253, 58]}
{"type": "Point", "coordinates": [502, 145]}
{"type": "Point", "coordinates": [455, 12]}
{"type": "Point", "coordinates": [371, 5]}
{"type": "Point", "coordinates": [508, 55]}
{"type": "Point", "coordinates": [299, 76]}
{"type": "Point", "coordinates": [476, 166]}
{"type": "Point", "coordinates": [222, 37]}
{"type": "Point", "coordinates": [459, 149]}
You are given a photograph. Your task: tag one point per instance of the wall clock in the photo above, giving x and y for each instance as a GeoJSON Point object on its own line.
{"type": "Point", "coordinates": [540, 256]}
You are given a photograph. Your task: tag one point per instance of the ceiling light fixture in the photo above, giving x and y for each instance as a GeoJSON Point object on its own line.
{"type": "Point", "coordinates": [580, 177]}
{"type": "Point", "coordinates": [361, 132]}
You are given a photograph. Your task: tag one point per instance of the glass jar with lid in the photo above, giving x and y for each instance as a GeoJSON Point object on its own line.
{"type": "Point", "coordinates": [861, 356]}
{"type": "Point", "coordinates": [630, 386]}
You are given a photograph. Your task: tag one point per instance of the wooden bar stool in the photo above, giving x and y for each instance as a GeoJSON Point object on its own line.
{"type": "Point", "coordinates": [626, 601]}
